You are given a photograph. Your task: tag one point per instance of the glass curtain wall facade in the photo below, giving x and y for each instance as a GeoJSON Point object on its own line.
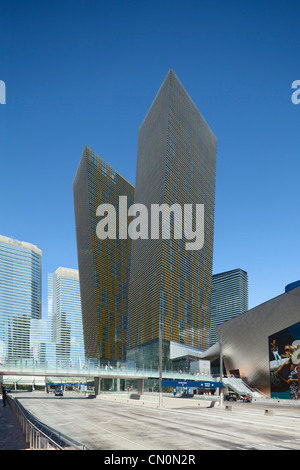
{"type": "Point", "coordinates": [170, 286]}
{"type": "Point", "coordinates": [103, 264]}
{"type": "Point", "coordinates": [229, 298]}
{"type": "Point", "coordinates": [66, 317]}
{"type": "Point", "coordinates": [42, 348]}
{"type": "Point", "coordinates": [20, 296]}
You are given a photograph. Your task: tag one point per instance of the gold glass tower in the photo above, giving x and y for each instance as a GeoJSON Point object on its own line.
{"type": "Point", "coordinates": [103, 264]}
{"type": "Point", "coordinates": [170, 287]}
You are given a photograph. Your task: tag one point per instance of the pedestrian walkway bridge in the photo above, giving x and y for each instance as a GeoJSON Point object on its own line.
{"type": "Point", "coordinates": [29, 368]}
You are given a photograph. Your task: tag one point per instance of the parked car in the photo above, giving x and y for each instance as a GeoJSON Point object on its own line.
{"type": "Point", "coordinates": [58, 393]}
{"type": "Point", "coordinates": [245, 398]}
{"type": "Point", "coordinates": [231, 397]}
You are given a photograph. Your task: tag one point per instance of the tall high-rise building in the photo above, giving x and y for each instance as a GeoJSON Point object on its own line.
{"type": "Point", "coordinates": [103, 264]}
{"type": "Point", "coordinates": [41, 345]}
{"type": "Point", "coordinates": [20, 295]}
{"type": "Point", "coordinates": [229, 298]}
{"type": "Point", "coordinates": [170, 286]}
{"type": "Point", "coordinates": [66, 316]}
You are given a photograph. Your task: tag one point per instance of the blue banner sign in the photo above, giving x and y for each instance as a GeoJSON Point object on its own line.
{"type": "Point", "coordinates": [191, 384]}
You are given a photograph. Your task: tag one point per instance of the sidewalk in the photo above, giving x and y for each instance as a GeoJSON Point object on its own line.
{"type": "Point", "coordinates": [11, 436]}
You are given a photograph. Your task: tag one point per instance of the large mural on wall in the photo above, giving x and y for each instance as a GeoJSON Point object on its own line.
{"type": "Point", "coordinates": [284, 354]}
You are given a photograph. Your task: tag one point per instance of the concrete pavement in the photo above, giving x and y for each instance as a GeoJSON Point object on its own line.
{"type": "Point", "coordinates": [113, 423]}
{"type": "Point", "coordinates": [11, 436]}
{"type": "Point", "coordinates": [116, 422]}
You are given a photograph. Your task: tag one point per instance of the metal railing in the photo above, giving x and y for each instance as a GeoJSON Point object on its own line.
{"type": "Point", "coordinates": [239, 386]}
{"type": "Point", "coordinates": [30, 368]}
{"type": "Point", "coordinates": [40, 436]}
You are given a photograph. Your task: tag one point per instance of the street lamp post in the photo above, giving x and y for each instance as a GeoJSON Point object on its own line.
{"type": "Point", "coordinates": [221, 376]}
{"type": "Point", "coordinates": [160, 365]}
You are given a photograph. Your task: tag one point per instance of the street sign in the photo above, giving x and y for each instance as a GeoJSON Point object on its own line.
{"type": "Point", "coordinates": [192, 384]}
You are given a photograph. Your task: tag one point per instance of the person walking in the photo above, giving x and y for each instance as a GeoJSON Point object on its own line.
{"type": "Point", "coordinates": [4, 396]}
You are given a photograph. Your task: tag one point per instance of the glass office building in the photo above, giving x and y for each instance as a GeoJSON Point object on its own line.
{"type": "Point", "coordinates": [229, 298]}
{"type": "Point", "coordinates": [170, 287]}
{"type": "Point", "coordinates": [103, 264]}
{"type": "Point", "coordinates": [65, 316]}
{"type": "Point", "coordinates": [42, 347]}
{"type": "Point", "coordinates": [20, 296]}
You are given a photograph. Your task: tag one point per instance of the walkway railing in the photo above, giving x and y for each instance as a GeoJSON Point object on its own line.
{"type": "Point", "coordinates": [31, 368]}
{"type": "Point", "coordinates": [240, 387]}
{"type": "Point", "coordinates": [40, 436]}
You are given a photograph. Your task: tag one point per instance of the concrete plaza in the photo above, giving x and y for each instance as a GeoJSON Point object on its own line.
{"type": "Point", "coordinates": [116, 422]}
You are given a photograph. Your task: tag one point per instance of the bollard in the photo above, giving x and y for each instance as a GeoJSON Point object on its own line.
{"type": "Point", "coordinates": [135, 396]}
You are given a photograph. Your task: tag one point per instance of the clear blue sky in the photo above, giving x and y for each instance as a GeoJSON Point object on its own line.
{"type": "Point", "coordinates": [85, 73]}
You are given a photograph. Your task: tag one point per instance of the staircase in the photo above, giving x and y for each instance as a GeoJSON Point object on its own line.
{"type": "Point", "coordinates": [239, 387]}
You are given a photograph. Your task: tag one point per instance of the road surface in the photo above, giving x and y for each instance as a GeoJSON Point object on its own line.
{"type": "Point", "coordinates": [110, 423]}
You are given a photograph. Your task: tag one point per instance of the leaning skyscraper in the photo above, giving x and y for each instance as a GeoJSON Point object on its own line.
{"type": "Point", "coordinates": [170, 287]}
{"type": "Point", "coordinates": [103, 264]}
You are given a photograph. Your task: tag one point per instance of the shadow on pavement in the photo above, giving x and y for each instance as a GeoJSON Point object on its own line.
{"type": "Point", "coordinates": [11, 436]}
